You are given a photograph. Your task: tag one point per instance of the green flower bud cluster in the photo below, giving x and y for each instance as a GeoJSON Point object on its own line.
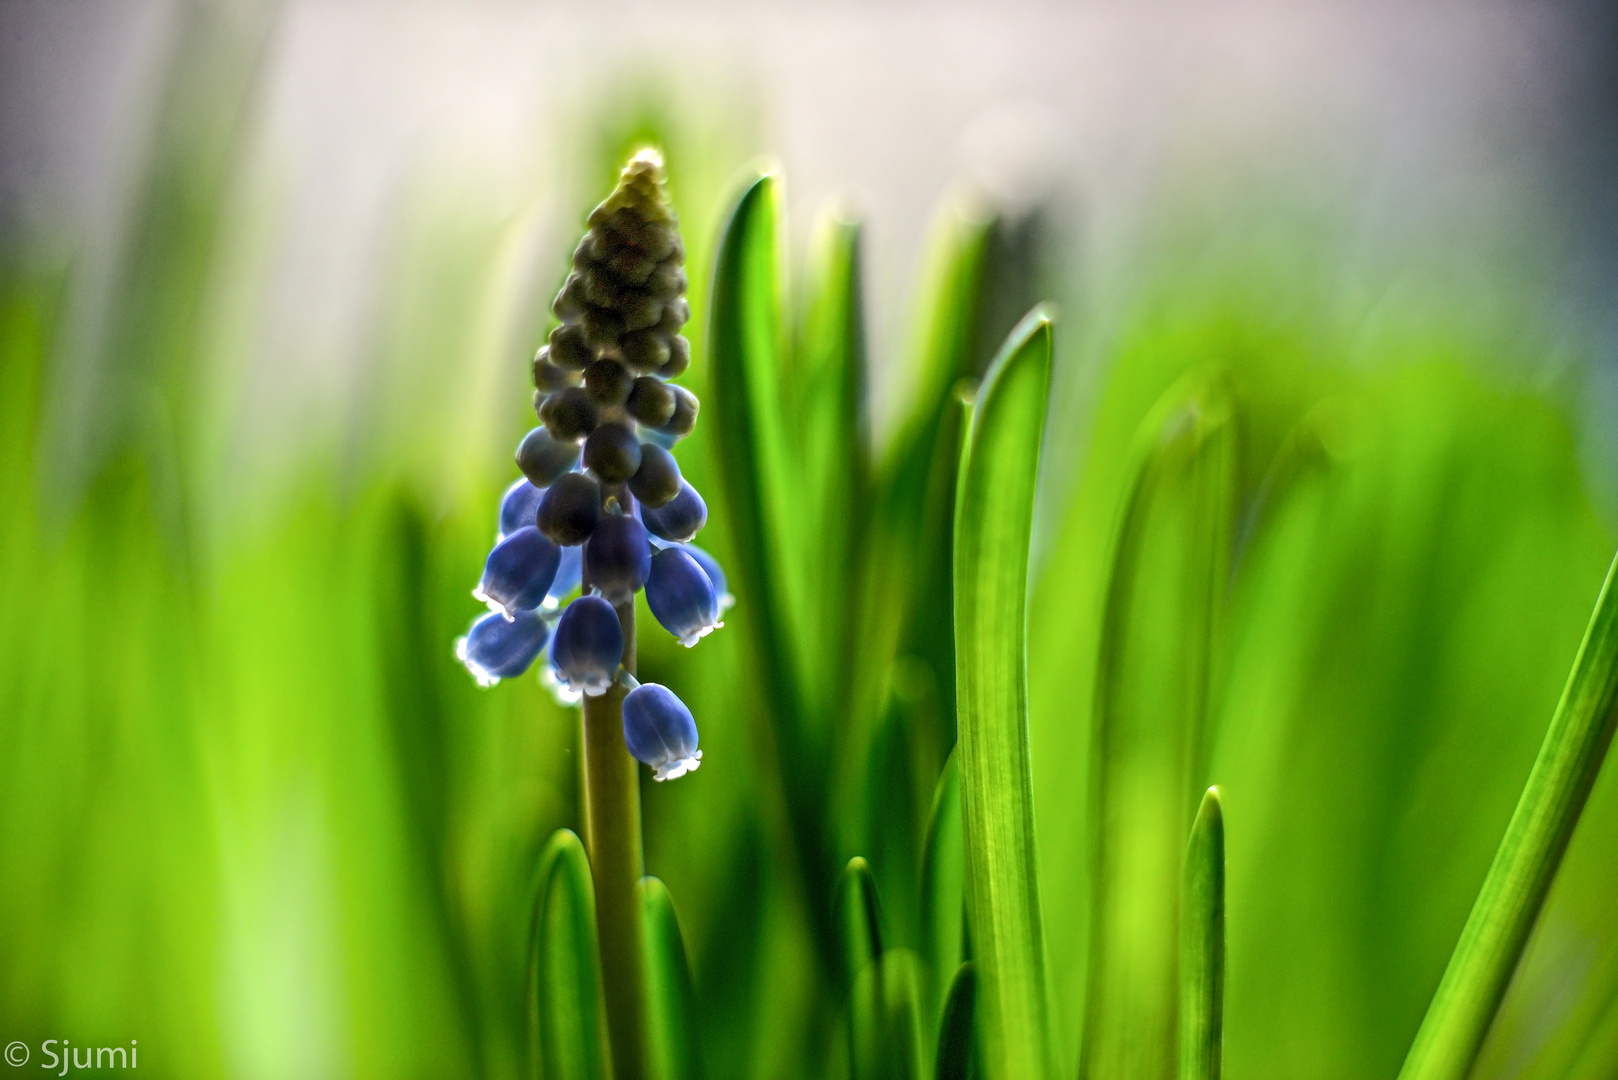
{"type": "Point", "coordinates": [603, 375]}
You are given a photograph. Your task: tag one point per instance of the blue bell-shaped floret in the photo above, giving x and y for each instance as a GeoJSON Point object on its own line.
{"type": "Point", "coordinates": [716, 574]}
{"type": "Point", "coordinates": [519, 572]}
{"type": "Point", "coordinates": [551, 680]}
{"type": "Point", "coordinates": [589, 646]}
{"type": "Point", "coordinates": [679, 520]}
{"type": "Point", "coordinates": [618, 557]}
{"type": "Point", "coordinates": [499, 648]}
{"type": "Point", "coordinates": [681, 596]}
{"type": "Point", "coordinates": [518, 506]}
{"type": "Point", "coordinates": [659, 731]}
{"type": "Point", "coordinates": [568, 574]}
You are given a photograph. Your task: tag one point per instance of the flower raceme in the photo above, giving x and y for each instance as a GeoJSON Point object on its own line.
{"type": "Point", "coordinates": [602, 506]}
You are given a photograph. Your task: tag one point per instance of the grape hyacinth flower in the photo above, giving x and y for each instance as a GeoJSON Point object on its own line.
{"type": "Point", "coordinates": [518, 506]}
{"type": "Point", "coordinates": [659, 730]}
{"type": "Point", "coordinates": [500, 648]}
{"type": "Point", "coordinates": [518, 573]}
{"type": "Point", "coordinates": [589, 646]}
{"type": "Point", "coordinates": [682, 596]}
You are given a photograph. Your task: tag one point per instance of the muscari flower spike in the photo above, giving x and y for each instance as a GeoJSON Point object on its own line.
{"type": "Point", "coordinates": [601, 489]}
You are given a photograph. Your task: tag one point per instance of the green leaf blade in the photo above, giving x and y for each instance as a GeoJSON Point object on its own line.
{"type": "Point", "coordinates": [1167, 576]}
{"type": "Point", "coordinates": [567, 1014]}
{"type": "Point", "coordinates": [676, 1050]}
{"type": "Point", "coordinates": [942, 882]}
{"type": "Point", "coordinates": [957, 1043]}
{"type": "Point", "coordinates": [1514, 890]}
{"type": "Point", "coordinates": [993, 526]}
{"type": "Point", "coordinates": [1202, 945]}
{"type": "Point", "coordinates": [747, 351]}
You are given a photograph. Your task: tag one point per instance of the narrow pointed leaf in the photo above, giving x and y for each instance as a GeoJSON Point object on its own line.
{"type": "Point", "coordinates": [1202, 945]}
{"type": "Point", "coordinates": [747, 352]}
{"type": "Point", "coordinates": [567, 1019]}
{"type": "Point", "coordinates": [1167, 577]}
{"type": "Point", "coordinates": [908, 571]}
{"type": "Point", "coordinates": [942, 881]}
{"type": "Point", "coordinates": [675, 1050]}
{"type": "Point", "coordinates": [1537, 836]}
{"type": "Point", "coordinates": [859, 918]}
{"type": "Point", "coordinates": [830, 433]}
{"type": "Point", "coordinates": [993, 524]}
{"type": "Point", "coordinates": [956, 1038]}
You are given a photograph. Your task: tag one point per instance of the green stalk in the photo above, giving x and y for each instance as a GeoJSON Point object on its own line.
{"type": "Point", "coordinates": [1202, 945]}
{"type": "Point", "coordinates": [1496, 932]}
{"type": "Point", "coordinates": [612, 829]}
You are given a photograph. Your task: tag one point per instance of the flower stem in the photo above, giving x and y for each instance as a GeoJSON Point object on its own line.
{"type": "Point", "coordinates": [612, 830]}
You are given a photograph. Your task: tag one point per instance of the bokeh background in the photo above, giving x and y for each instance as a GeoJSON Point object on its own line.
{"type": "Point", "coordinates": [270, 274]}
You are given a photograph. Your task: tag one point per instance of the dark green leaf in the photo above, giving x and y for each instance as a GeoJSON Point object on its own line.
{"type": "Point", "coordinates": [956, 1042]}
{"type": "Point", "coordinates": [942, 910]}
{"type": "Point", "coordinates": [885, 1030]}
{"type": "Point", "coordinates": [1202, 946]}
{"type": "Point", "coordinates": [859, 918]}
{"type": "Point", "coordinates": [993, 522]}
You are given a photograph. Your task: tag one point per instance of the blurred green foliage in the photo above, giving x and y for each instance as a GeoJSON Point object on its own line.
{"type": "Point", "coordinates": [254, 815]}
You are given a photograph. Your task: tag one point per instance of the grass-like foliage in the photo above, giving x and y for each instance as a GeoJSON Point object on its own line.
{"type": "Point", "coordinates": [990, 653]}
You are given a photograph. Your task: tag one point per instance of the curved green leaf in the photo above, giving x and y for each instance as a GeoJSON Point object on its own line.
{"type": "Point", "coordinates": [747, 350]}
{"type": "Point", "coordinates": [994, 510]}
{"type": "Point", "coordinates": [676, 1052]}
{"type": "Point", "coordinates": [830, 433]}
{"type": "Point", "coordinates": [956, 1045]}
{"type": "Point", "coordinates": [942, 882]}
{"type": "Point", "coordinates": [1514, 890]}
{"type": "Point", "coordinates": [566, 1016]}
{"type": "Point", "coordinates": [1202, 945]}
{"type": "Point", "coordinates": [1168, 566]}
{"type": "Point", "coordinates": [859, 918]}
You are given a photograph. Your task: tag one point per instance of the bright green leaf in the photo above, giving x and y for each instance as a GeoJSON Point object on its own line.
{"type": "Point", "coordinates": [1151, 697]}
{"type": "Point", "coordinates": [675, 1050]}
{"type": "Point", "coordinates": [567, 1017]}
{"type": "Point", "coordinates": [994, 512]}
{"type": "Point", "coordinates": [1537, 836]}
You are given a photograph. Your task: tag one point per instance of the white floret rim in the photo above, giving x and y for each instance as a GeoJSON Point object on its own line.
{"type": "Point", "coordinates": [673, 770]}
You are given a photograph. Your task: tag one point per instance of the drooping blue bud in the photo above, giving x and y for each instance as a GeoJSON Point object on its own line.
{"type": "Point", "coordinates": [659, 731]}
{"type": "Point", "coordinates": [681, 519]}
{"type": "Point", "coordinates": [518, 506]}
{"type": "Point", "coordinates": [499, 648]}
{"type": "Point", "coordinates": [519, 572]}
{"type": "Point", "coordinates": [589, 646]}
{"type": "Point", "coordinates": [682, 596]}
{"type": "Point", "coordinates": [618, 557]}
{"type": "Point", "coordinates": [551, 680]}
{"type": "Point", "coordinates": [716, 574]}
{"type": "Point", "coordinates": [568, 574]}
